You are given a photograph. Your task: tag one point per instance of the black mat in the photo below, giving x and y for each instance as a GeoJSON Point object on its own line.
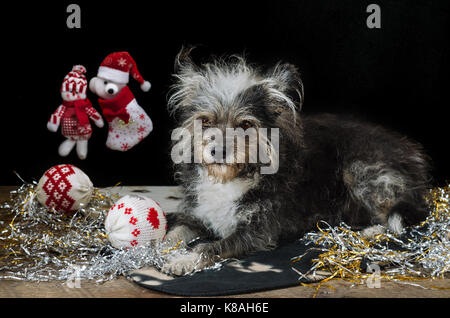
{"type": "Point", "coordinates": [259, 272]}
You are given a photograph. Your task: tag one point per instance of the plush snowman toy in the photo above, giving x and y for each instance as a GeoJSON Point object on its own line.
{"type": "Point", "coordinates": [74, 114]}
{"type": "Point", "coordinates": [128, 122]}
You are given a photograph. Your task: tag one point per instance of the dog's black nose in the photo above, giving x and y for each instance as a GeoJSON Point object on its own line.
{"type": "Point", "coordinates": [213, 152]}
{"type": "Point", "coordinates": [110, 91]}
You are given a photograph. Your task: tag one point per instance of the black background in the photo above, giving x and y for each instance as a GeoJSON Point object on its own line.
{"type": "Point", "coordinates": [396, 76]}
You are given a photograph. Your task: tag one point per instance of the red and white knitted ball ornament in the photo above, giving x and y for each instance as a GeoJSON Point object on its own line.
{"type": "Point", "coordinates": [135, 220]}
{"type": "Point", "coordinates": [64, 188]}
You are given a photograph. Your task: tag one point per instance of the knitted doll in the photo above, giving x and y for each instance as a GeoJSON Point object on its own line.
{"type": "Point", "coordinates": [128, 122]}
{"type": "Point", "coordinates": [74, 114]}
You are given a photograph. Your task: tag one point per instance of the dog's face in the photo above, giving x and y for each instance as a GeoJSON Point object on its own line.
{"type": "Point", "coordinates": [228, 94]}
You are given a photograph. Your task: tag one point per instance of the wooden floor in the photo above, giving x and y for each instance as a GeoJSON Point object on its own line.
{"type": "Point", "coordinates": [122, 288]}
{"type": "Point", "coordinates": [168, 198]}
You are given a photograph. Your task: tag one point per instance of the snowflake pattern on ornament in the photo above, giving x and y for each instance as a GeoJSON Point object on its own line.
{"type": "Point", "coordinates": [141, 130]}
{"type": "Point", "coordinates": [124, 136]}
{"type": "Point", "coordinates": [135, 220]}
{"type": "Point", "coordinates": [128, 210]}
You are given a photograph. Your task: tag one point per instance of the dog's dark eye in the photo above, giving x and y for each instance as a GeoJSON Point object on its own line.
{"type": "Point", "coordinates": [245, 125]}
{"type": "Point", "coordinates": [206, 122]}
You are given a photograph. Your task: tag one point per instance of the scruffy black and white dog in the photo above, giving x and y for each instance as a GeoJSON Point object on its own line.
{"type": "Point", "coordinates": [330, 168]}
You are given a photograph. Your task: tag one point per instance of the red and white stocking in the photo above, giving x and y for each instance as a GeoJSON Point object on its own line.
{"type": "Point", "coordinates": [128, 122]}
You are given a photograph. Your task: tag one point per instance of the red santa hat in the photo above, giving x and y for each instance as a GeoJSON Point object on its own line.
{"type": "Point", "coordinates": [118, 66]}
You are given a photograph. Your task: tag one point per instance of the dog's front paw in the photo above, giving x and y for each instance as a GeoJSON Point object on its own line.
{"type": "Point", "coordinates": [182, 264]}
{"type": "Point", "coordinates": [180, 235]}
{"type": "Point", "coordinates": [372, 231]}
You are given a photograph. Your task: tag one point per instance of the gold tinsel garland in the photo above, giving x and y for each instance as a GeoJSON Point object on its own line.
{"type": "Point", "coordinates": [421, 252]}
{"type": "Point", "coordinates": [37, 244]}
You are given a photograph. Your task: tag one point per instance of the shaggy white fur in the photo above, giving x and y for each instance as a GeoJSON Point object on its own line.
{"type": "Point", "coordinates": [218, 202]}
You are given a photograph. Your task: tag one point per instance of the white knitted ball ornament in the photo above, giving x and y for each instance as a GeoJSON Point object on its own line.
{"type": "Point", "coordinates": [64, 188]}
{"type": "Point", "coordinates": [135, 220]}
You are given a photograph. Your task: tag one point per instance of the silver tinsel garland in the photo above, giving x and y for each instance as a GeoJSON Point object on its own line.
{"type": "Point", "coordinates": [41, 245]}
{"type": "Point", "coordinates": [420, 252]}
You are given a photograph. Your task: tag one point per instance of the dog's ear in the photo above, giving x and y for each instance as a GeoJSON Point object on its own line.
{"type": "Point", "coordinates": [183, 61]}
{"type": "Point", "coordinates": [186, 80]}
{"type": "Point", "coordinates": [285, 85]}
